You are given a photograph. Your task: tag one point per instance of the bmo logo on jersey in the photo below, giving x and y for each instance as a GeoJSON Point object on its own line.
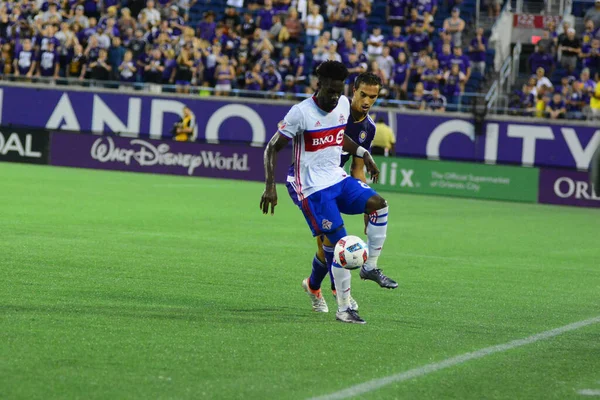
{"type": "Point", "coordinates": [318, 140]}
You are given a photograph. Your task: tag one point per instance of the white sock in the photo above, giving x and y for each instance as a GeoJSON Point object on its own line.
{"type": "Point", "coordinates": [376, 234]}
{"type": "Point", "coordinates": [342, 278]}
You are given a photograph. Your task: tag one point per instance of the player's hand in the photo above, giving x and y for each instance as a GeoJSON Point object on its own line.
{"type": "Point", "coordinates": [269, 197]}
{"type": "Point", "coordinates": [371, 167]}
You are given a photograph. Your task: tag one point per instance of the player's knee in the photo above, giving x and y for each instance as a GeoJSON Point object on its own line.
{"type": "Point", "coordinates": [331, 238]}
{"type": "Point", "coordinates": [376, 203]}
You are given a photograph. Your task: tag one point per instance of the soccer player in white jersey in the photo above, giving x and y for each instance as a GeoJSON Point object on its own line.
{"type": "Point", "coordinates": [317, 128]}
{"type": "Point", "coordinates": [360, 128]}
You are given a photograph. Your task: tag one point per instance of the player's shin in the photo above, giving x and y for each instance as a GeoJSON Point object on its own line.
{"type": "Point", "coordinates": [328, 250]}
{"type": "Point", "coordinates": [332, 280]}
{"type": "Point", "coordinates": [342, 279]}
{"type": "Point", "coordinates": [328, 262]}
{"type": "Point", "coordinates": [376, 234]}
{"type": "Point", "coordinates": [319, 271]}
{"type": "Point", "coordinates": [341, 276]}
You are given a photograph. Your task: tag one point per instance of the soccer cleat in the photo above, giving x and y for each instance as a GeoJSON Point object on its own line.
{"type": "Point", "coordinates": [376, 275]}
{"type": "Point", "coordinates": [353, 303]}
{"type": "Point", "coordinates": [316, 298]}
{"type": "Point", "coordinates": [350, 316]}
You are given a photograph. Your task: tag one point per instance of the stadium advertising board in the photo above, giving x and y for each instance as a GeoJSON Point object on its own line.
{"type": "Point", "coordinates": [502, 142]}
{"type": "Point", "coordinates": [24, 145]}
{"type": "Point", "coordinates": [418, 135]}
{"type": "Point", "coordinates": [458, 179]}
{"type": "Point", "coordinates": [161, 157]}
{"type": "Point", "coordinates": [565, 187]}
{"type": "Point", "coordinates": [140, 115]}
{"type": "Point", "coordinates": [531, 21]}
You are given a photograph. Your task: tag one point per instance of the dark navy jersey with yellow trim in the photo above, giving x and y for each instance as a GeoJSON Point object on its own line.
{"type": "Point", "coordinates": [362, 132]}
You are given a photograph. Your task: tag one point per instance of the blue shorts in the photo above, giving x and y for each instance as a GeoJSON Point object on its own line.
{"type": "Point", "coordinates": [323, 210]}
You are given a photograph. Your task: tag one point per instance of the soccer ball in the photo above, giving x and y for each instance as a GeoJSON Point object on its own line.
{"type": "Point", "coordinates": [350, 252]}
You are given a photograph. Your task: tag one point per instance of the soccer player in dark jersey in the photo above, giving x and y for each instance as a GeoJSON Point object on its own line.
{"type": "Point", "coordinates": [360, 128]}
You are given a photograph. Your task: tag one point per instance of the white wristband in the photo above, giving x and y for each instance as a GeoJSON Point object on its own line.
{"type": "Point", "coordinates": [360, 152]}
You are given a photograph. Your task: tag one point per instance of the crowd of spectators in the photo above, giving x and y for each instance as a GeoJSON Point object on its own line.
{"type": "Point", "coordinates": [268, 47]}
{"type": "Point", "coordinates": [565, 73]}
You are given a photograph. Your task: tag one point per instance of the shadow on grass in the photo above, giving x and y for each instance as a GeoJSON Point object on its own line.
{"type": "Point", "coordinates": [215, 315]}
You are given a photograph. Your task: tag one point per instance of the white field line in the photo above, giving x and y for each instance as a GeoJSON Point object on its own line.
{"type": "Point", "coordinates": [589, 392]}
{"type": "Point", "coordinates": [376, 384]}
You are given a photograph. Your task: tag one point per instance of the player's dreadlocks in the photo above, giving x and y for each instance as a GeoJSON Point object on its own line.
{"type": "Point", "coordinates": [369, 79]}
{"type": "Point", "coordinates": [333, 70]}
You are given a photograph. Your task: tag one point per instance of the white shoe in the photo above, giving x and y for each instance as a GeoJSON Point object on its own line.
{"type": "Point", "coordinates": [316, 298]}
{"type": "Point", "coordinates": [353, 303]}
{"type": "Point", "coordinates": [349, 316]}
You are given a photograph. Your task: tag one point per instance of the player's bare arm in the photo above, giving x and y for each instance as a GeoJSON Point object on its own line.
{"type": "Point", "coordinates": [269, 196]}
{"type": "Point", "coordinates": [353, 148]}
{"type": "Point", "coordinates": [357, 169]}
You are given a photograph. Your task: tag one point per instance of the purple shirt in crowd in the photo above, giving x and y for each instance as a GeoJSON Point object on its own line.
{"type": "Point", "coordinates": [206, 30]}
{"type": "Point", "coordinates": [346, 12]}
{"type": "Point", "coordinates": [48, 61]}
{"type": "Point", "coordinates": [417, 42]}
{"type": "Point", "coordinates": [254, 85]}
{"type": "Point", "coordinates": [24, 61]}
{"type": "Point", "coordinates": [452, 86]}
{"type": "Point", "coordinates": [270, 81]}
{"type": "Point", "coordinates": [396, 40]}
{"type": "Point", "coordinates": [557, 106]}
{"type": "Point", "coordinates": [477, 55]}
{"type": "Point", "coordinates": [462, 61]}
{"type": "Point", "coordinates": [397, 9]}
{"type": "Point", "coordinates": [400, 72]}
{"type": "Point", "coordinates": [266, 19]}
{"type": "Point", "coordinates": [424, 6]}
{"type": "Point", "coordinates": [543, 60]}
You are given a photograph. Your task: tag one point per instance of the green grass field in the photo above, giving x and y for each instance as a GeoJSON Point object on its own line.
{"type": "Point", "coordinates": [130, 286]}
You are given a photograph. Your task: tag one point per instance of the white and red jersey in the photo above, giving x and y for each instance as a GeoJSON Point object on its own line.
{"type": "Point", "coordinates": [318, 138]}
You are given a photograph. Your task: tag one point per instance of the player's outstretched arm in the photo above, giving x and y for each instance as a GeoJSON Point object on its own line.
{"type": "Point", "coordinates": [269, 196]}
{"type": "Point", "coordinates": [357, 169]}
{"type": "Point", "coordinates": [353, 148]}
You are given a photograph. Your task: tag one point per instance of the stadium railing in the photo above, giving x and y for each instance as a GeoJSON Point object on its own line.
{"type": "Point", "coordinates": [498, 92]}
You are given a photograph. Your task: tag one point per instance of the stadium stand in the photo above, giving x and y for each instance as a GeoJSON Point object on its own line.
{"type": "Point", "coordinates": [562, 70]}
{"type": "Point", "coordinates": [256, 48]}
